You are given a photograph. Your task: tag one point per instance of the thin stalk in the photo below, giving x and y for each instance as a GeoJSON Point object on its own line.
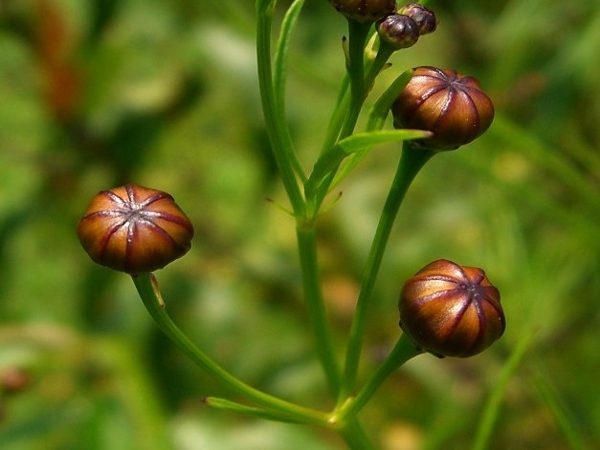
{"type": "Point", "coordinates": [381, 58]}
{"type": "Point", "coordinates": [355, 436]}
{"type": "Point", "coordinates": [357, 37]}
{"type": "Point", "coordinates": [351, 98]}
{"type": "Point", "coordinates": [338, 116]}
{"type": "Point", "coordinates": [411, 161]}
{"type": "Point", "coordinates": [274, 120]}
{"type": "Point", "coordinates": [403, 351]}
{"type": "Point", "coordinates": [152, 302]}
{"type": "Point", "coordinates": [307, 248]}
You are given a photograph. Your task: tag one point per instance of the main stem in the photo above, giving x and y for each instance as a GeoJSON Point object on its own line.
{"type": "Point", "coordinates": [357, 37]}
{"type": "Point", "coordinates": [354, 435]}
{"type": "Point", "coordinates": [347, 111]}
{"type": "Point", "coordinates": [411, 161]}
{"type": "Point", "coordinates": [307, 247]}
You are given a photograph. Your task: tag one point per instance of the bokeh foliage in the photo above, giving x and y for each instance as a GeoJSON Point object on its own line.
{"type": "Point", "coordinates": [95, 94]}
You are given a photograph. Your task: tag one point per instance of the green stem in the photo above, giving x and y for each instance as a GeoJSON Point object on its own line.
{"type": "Point", "coordinates": [357, 36]}
{"type": "Point", "coordinates": [354, 435]}
{"type": "Point", "coordinates": [338, 116]}
{"type": "Point", "coordinates": [307, 248]}
{"type": "Point", "coordinates": [375, 122]}
{"type": "Point", "coordinates": [274, 119]}
{"type": "Point", "coordinates": [351, 98]}
{"type": "Point", "coordinates": [381, 59]}
{"type": "Point", "coordinates": [350, 103]}
{"type": "Point", "coordinates": [411, 161]}
{"type": "Point", "coordinates": [152, 303]}
{"type": "Point", "coordinates": [403, 351]}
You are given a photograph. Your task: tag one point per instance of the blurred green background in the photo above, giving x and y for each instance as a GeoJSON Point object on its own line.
{"type": "Point", "coordinates": [164, 93]}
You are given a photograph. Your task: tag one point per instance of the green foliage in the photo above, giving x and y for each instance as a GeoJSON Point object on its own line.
{"type": "Point", "coordinates": [165, 94]}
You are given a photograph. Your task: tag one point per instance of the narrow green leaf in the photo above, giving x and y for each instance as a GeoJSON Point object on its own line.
{"type": "Point", "coordinates": [356, 145]}
{"type": "Point", "coordinates": [280, 72]}
{"type": "Point", "coordinates": [365, 141]}
{"type": "Point", "coordinates": [238, 408]}
{"type": "Point", "coordinates": [283, 44]}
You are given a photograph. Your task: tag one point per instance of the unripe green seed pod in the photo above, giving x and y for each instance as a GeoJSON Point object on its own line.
{"type": "Point", "coordinates": [452, 106]}
{"type": "Point", "coordinates": [364, 10]}
{"type": "Point", "coordinates": [423, 17]}
{"type": "Point", "coordinates": [134, 229]}
{"type": "Point", "coordinates": [451, 310]}
{"type": "Point", "coordinates": [398, 30]}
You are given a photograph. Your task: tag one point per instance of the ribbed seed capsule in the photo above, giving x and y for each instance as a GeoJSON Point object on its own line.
{"type": "Point", "coordinates": [423, 17]}
{"type": "Point", "coordinates": [134, 229]}
{"type": "Point", "coordinates": [364, 10]}
{"type": "Point", "coordinates": [451, 310]}
{"type": "Point", "coordinates": [398, 30]}
{"type": "Point", "coordinates": [452, 106]}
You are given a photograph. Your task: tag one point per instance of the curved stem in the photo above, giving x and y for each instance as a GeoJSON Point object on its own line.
{"type": "Point", "coordinates": [381, 59]}
{"type": "Point", "coordinates": [403, 351]}
{"type": "Point", "coordinates": [411, 161]}
{"type": "Point", "coordinates": [351, 98]}
{"type": "Point", "coordinates": [155, 307]}
{"type": "Point", "coordinates": [307, 248]}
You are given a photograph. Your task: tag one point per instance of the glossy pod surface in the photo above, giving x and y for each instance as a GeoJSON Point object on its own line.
{"type": "Point", "coordinates": [450, 105]}
{"type": "Point", "coordinates": [134, 229]}
{"type": "Point", "coordinates": [451, 310]}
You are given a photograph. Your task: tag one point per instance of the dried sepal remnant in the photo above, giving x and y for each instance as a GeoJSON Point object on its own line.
{"type": "Point", "coordinates": [134, 229]}
{"type": "Point", "coordinates": [450, 105]}
{"type": "Point", "coordinates": [451, 310]}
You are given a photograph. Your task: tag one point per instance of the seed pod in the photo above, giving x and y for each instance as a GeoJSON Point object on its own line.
{"type": "Point", "coordinates": [134, 229]}
{"type": "Point", "coordinates": [364, 10]}
{"type": "Point", "coordinates": [424, 18]}
{"type": "Point", "coordinates": [452, 106]}
{"type": "Point", "coordinates": [398, 30]}
{"type": "Point", "coordinates": [451, 310]}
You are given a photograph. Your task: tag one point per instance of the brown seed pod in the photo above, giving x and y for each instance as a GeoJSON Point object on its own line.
{"type": "Point", "coordinates": [451, 310]}
{"type": "Point", "coordinates": [423, 17]}
{"type": "Point", "coordinates": [134, 229]}
{"type": "Point", "coordinates": [452, 106]}
{"type": "Point", "coordinates": [398, 30]}
{"type": "Point", "coordinates": [364, 10]}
